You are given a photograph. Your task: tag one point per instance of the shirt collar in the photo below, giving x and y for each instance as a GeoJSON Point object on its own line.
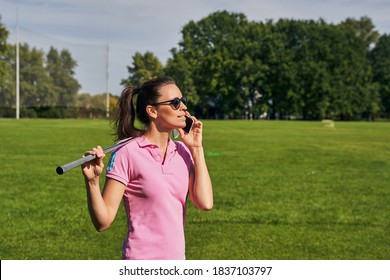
{"type": "Point", "coordinates": [143, 142]}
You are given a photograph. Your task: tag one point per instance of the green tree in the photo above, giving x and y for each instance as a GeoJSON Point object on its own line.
{"type": "Point", "coordinates": [7, 88]}
{"type": "Point", "coordinates": [34, 81]}
{"type": "Point", "coordinates": [353, 92]}
{"type": "Point", "coordinates": [380, 60]}
{"type": "Point", "coordinates": [276, 53]}
{"type": "Point", "coordinates": [331, 76]}
{"type": "Point", "coordinates": [211, 56]}
{"type": "Point", "coordinates": [61, 69]}
{"type": "Point", "coordinates": [94, 105]}
{"type": "Point", "coordinates": [4, 66]}
{"type": "Point", "coordinates": [180, 69]}
{"type": "Point", "coordinates": [44, 82]}
{"type": "Point", "coordinates": [363, 28]}
{"type": "Point", "coordinates": [144, 67]}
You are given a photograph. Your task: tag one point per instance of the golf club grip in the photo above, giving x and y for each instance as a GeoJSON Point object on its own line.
{"type": "Point", "coordinates": [66, 167]}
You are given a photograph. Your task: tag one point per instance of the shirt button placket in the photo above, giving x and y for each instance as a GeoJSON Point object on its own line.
{"type": "Point", "coordinates": [156, 152]}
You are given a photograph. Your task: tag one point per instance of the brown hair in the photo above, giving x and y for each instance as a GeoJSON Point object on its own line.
{"type": "Point", "coordinates": [125, 113]}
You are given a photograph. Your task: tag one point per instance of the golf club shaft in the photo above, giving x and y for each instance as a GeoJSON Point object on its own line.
{"type": "Point", "coordinates": [68, 166]}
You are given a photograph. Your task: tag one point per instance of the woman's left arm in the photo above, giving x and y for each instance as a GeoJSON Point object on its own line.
{"type": "Point", "coordinates": [200, 186]}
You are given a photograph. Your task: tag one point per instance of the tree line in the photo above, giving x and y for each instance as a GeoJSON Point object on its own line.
{"type": "Point", "coordinates": [230, 67]}
{"type": "Point", "coordinates": [48, 87]}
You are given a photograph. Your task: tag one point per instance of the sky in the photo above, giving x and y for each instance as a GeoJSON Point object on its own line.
{"type": "Point", "coordinates": [103, 36]}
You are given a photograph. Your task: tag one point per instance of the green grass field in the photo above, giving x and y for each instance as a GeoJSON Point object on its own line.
{"type": "Point", "coordinates": [282, 190]}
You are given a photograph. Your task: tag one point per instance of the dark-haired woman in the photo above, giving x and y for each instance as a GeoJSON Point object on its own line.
{"type": "Point", "coordinates": [152, 174]}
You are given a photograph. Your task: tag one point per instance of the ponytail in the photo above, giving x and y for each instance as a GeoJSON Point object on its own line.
{"type": "Point", "coordinates": [125, 115]}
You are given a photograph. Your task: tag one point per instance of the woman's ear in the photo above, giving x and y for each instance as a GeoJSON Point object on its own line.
{"type": "Point", "coordinates": [151, 111]}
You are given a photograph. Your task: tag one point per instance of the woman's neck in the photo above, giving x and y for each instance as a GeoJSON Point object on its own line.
{"type": "Point", "coordinates": [158, 138]}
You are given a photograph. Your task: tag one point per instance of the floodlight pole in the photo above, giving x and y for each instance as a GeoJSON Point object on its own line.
{"type": "Point", "coordinates": [107, 76]}
{"type": "Point", "coordinates": [17, 67]}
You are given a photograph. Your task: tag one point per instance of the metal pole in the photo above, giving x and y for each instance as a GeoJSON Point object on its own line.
{"type": "Point", "coordinates": [107, 76]}
{"type": "Point", "coordinates": [17, 67]}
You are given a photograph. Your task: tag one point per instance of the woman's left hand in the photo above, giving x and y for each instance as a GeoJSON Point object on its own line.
{"type": "Point", "coordinates": [194, 138]}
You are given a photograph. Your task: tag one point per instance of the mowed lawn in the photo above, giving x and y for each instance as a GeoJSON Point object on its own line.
{"type": "Point", "coordinates": [282, 190]}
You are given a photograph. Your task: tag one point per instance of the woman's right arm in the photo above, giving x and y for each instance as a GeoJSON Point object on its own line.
{"type": "Point", "coordinates": [102, 206]}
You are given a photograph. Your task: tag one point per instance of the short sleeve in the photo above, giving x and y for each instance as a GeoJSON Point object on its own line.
{"type": "Point", "coordinates": [185, 153]}
{"type": "Point", "coordinates": [118, 167]}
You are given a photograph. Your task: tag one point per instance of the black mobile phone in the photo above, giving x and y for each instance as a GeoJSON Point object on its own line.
{"type": "Point", "coordinates": [189, 123]}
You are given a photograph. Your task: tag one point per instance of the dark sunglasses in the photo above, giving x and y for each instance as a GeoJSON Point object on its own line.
{"type": "Point", "coordinates": [174, 103]}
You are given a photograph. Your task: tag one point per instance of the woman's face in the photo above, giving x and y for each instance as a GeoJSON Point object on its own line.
{"type": "Point", "coordinates": [167, 117]}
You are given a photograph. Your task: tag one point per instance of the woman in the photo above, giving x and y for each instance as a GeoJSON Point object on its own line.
{"type": "Point", "coordinates": [151, 173]}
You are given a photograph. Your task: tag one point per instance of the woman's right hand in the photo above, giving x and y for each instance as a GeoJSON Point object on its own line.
{"type": "Point", "coordinates": [94, 168]}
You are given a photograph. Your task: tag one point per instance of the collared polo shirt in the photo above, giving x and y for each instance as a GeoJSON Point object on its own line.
{"type": "Point", "coordinates": [154, 199]}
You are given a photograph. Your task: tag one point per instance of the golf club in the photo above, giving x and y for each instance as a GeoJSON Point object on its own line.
{"type": "Point", "coordinates": [68, 166]}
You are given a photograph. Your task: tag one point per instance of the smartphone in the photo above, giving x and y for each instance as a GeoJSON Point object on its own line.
{"type": "Point", "coordinates": [189, 123]}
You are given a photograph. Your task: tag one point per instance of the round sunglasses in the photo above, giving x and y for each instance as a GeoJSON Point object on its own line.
{"type": "Point", "coordinates": [174, 103]}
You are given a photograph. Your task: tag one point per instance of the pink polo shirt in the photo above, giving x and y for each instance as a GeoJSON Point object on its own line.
{"type": "Point", "coordinates": [154, 199]}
